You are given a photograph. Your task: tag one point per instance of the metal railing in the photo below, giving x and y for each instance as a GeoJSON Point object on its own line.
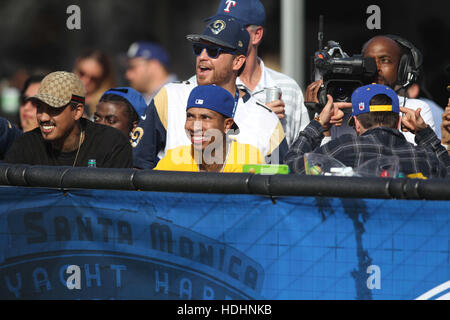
{"type": "Point", "coordinates": [228, 183]}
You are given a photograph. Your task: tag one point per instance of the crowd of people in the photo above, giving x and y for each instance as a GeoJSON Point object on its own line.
{"type": "Point", "coordinates": [223, 118]}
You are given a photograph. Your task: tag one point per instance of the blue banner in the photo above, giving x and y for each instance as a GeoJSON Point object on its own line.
{"type": "Point", "coordinates": [103, 244]}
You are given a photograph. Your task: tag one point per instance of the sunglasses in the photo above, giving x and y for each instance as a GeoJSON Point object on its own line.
{"type": "Point", "coordinates": [211, 51]}
{"type": "Point", "coordinates": [23, 99]}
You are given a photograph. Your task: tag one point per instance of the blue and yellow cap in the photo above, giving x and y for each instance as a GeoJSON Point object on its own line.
{"type": "Point", "coordinates": [361, 100]}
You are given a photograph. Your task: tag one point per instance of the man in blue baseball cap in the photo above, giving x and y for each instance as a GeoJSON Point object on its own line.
{"type": "Point", "coordinates": [148, 68]}
{"type": "Point", "coordinates": [376, 119]}
{"type": "Point", "coordinates": [209, 123]}
{"type": "Point", "coordinates": [257, 78]}
{"type": "Point", "coordinates": [120, 108]}
{"type": "Point", "coordinates": [222, 35]}
{"type": "Point", "coordinates": [220, 56]}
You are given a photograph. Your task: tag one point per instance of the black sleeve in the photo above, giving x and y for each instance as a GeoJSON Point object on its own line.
{"type": "Point", "coordinates": [17, 154]}
{"type": "Point", "coordinates": [149, 138]}
{"type": "Point", "coordinates": [308, 140]}
{"type": "Point", "coordinates": [121, 155]}
{"type": "Point", "coordinates": [428, 139]}
{"type": "Point", "coordinates": [8, 134]}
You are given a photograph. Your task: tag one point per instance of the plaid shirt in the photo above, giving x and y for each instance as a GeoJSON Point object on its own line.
{"type": "Point", "coordinates": [429, 157]}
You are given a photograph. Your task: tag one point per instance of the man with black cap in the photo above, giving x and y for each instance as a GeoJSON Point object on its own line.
{"type": "Point", "coordinates": [258, 78]}
{"type": "Point", "coordinates": [63, 137]}
{"type": "Point", "coordinates": [209, 125]}
{"type": "Point", "coordinates": [376, 119]}
{"type": "Point", "coordinates": [220, 57]}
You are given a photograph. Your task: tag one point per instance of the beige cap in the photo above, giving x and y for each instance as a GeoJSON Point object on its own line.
{"type": "Point", "coordinates": [59, 88]}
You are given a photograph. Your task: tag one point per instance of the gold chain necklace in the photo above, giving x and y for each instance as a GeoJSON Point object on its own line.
{"type": "Point", "coordinates": [79, 145]}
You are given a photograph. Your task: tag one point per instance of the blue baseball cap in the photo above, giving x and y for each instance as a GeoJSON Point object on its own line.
{"type": "Point", "coordinates": [247, 11]}
{"type": "Point", "coordinates": [226, 32]}
{"type": "Point", "coordinates": [214, 98]}
{"type": "Point", "coordinates": [361, 100]}
{"type": "Point", "coordinates": [132, 96]}
{"type": "Point", "coordinates": [148, 51]}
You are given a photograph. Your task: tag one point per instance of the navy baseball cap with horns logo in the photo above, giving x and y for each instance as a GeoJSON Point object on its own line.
{"type": "Point", "coordinates": [226, 32]}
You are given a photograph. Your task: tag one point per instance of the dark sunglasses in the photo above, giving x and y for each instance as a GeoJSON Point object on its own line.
{"type": "Point", "coordinates": [211, 51]}
{"type": "Point", "coordinates": [23, 99]}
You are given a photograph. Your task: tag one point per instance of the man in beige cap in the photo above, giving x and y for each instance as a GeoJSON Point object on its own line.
{"type": "Point", "coordinates": [63, 137]}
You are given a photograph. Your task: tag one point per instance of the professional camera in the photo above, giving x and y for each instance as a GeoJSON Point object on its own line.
{"type": "Point", "coordinates": [340, 73]}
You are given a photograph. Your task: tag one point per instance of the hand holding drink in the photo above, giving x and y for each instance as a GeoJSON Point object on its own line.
{"type": "Point", "coordinates": [274, 102]}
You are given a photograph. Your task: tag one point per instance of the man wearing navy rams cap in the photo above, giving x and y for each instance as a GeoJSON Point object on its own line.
{"type": "Point", "coordinates": [257, 78]}
{"type": "Point", "coordinates": [376, 119]}
{"type": "Point", "coordinates": [220, 57]}
{"type": "Point", "coordinates": [148, 67]}
{"type": "Point", "coordinates": [209, 124]}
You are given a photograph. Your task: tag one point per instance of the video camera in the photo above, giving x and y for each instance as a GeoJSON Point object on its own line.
{"type": "Point", "coordinates": [341, 74]}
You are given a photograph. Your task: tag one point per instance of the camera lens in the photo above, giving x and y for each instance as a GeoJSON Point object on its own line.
{"type": "Point", "coordinates": [341, 93]}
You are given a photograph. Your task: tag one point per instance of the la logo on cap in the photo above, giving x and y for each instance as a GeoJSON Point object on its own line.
{"type": "Point", "coordinates": [199, 101]}
{"type": "Point", "coordinates": [217, 26]}
{"type": "Point", "coordinates": [361, 106]}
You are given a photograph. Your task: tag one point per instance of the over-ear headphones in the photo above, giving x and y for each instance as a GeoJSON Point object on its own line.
{"type": "Point", "coordinates": [409, 64]}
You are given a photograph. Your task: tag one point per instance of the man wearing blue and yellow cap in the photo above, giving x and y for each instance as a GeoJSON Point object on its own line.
{"type": "Point", "coordinates": [376, 119]}
{"type": "Point", "coordinates": [209, 124]}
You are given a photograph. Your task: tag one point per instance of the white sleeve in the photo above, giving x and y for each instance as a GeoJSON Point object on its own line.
{"type": "Point", "coordinates": [427, 115]}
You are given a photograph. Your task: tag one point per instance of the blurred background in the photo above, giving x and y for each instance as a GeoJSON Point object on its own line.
{"type": "Point", "coordinates": [35, 38]}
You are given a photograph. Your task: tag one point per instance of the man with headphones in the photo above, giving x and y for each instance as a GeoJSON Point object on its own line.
{"type": "Point", "coordinates": [398, 64]}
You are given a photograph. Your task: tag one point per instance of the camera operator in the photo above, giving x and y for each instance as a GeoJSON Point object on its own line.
{"type": "Point", "coordinates": [398, 63]}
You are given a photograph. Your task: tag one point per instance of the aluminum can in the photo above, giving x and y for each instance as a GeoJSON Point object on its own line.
{"type": "Point", "coordinates": [273, 94]}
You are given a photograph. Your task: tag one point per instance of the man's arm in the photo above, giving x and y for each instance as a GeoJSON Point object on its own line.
{"type": "Point", "coordinates": [149, 138]}
{"type": "Point", "coordinates": [310, 138]}
{"type": "Point", "coordinates": [445, 127]}
{"type": "Point", "coordinates": [121, 155]}
{"type": "Point", "coordinates": [278, 146]}
{"type": "Point", "coordinates": [424, 134]}
{"type": "Point", "coordinates": [8, 134]}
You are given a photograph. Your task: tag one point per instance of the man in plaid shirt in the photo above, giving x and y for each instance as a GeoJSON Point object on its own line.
{"type": "Point", "coordinates": [375, 117]}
